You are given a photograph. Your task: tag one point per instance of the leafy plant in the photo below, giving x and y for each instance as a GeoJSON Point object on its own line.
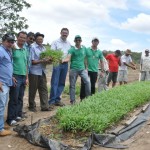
{"type": "Point", "coordinates": [54, 55]}
{"type": "Point", "coordinates": [101, 110]}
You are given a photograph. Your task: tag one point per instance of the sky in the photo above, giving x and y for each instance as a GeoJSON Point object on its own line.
{"type": "Point", "coordinates": [119, 24]}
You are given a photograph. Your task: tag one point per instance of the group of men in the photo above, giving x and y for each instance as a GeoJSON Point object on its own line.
{"type": "Point", "coordinates": [20, 65]}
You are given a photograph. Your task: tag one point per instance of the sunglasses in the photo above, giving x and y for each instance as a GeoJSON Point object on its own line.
{"type": "Point", "coordinates": [32, 39]}
{"type": "Point", "coordinates": [12, 42]}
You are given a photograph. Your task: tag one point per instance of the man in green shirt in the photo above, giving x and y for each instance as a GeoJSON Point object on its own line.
{"type": "Point", "coordinates": [77, 68]}
{"type": "Point", "coordinates": [94, 59]}
{"type": "Point", "coordinates": [20, 75]}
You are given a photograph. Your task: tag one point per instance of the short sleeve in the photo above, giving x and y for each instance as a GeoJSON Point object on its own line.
{"type": "Point", "coordinates": [54, 45]}
{"type": "Point", "coordinates": [108, 57]}
{"type": "Point", "coordinates": [70, 51]}
{"type": "Point", "coordinates": [100, 55]}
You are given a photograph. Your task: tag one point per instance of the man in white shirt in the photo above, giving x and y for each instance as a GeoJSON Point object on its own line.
{"type": "Point", "coordinates": [145, 66]}
{"type": "Point", "coordinates": [59, 72]}
{"type": "Point", "coordinates": [126, 61]}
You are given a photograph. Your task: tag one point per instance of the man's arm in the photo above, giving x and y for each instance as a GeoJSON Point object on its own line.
{"type": "Point", "coordinates": [67, 59]}
{"type": "Point", "coordinates": [131, 65]}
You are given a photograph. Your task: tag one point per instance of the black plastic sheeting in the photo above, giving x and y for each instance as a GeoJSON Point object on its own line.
{"type": "Point", "coordinates": [32, 134]}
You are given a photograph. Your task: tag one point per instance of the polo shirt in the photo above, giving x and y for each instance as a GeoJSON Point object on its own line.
{"type": "Point", "coordinates": [93, 57]}
{"type": "Point", "coordinates": [113, 62]}
{"type": "Point", "coordinates": [77, 58]}
{"type": "Point", "coordinates": [19, 61]}
{"type": "Point", "coordinates": [6, 66]}
{"type": "Point", "coordinates": [59, 44]}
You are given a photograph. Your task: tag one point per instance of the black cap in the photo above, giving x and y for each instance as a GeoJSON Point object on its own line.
{"type": "Point", "coordinates": [39, 34]}
{"type": "Point", "coordinates": [8, 37]}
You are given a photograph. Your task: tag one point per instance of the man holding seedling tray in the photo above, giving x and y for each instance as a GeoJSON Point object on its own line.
{"type": "Point", "coordinates": [59, 71]}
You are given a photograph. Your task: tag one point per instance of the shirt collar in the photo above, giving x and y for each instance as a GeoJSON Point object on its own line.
{"type": "Point", "coordinates": [60, 39]}
{"type": "Point", "coordinates": [78, 48]}
{"type": "Point", "coordinates": [93, 49]}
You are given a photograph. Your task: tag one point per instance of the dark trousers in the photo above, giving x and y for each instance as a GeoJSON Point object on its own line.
{"type": "Point", "coordinates": [93, 79]}
{"type": "Point", "coordinates": [37, 82]}
{"type": "Point", "coordinates": [16, 94]}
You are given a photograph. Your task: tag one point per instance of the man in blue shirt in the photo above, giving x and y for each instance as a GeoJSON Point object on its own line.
{"type": "Point", "coordinates": [5, 77]}
{"type": "Point", "coordinates": [37, 75]}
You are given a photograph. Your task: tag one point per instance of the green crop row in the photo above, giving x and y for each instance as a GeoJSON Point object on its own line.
{"type": "Point", "coordinates": [98, 112]}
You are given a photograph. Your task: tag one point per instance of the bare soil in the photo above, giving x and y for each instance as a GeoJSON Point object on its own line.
{"type": "Point", "coordinates": [140, 141]}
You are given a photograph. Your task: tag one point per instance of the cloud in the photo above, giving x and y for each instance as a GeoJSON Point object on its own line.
{"type": "Point", "coordinates": [140, 23]}
{"type": "Point", "coordinates": [144, 3]}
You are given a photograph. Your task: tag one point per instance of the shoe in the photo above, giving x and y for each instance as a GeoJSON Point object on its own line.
{"type": "Point", "coordinates": [13, 123]}
{"type": "Point", "coordinates": [5, 132]}
{"type": "Point", "coordinates": [59, 104]}
{"type": "Point", "coordinates": [20, 119]}
{"type": "Point", "coordinates": [46, 109]}
{"type": "Point", "coordinates": [51, 106]}
{"type": "Point", "coordinates": [33, 109]}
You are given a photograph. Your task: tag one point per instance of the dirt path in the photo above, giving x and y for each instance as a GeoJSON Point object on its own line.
{"type": "Point", "coordinates": [140, 141]}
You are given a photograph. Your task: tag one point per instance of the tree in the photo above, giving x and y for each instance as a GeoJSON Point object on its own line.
{"type": "Point", "coordinates": [10, 20]}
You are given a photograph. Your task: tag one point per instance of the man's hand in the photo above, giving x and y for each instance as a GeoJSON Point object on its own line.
{"type": "Point", "coordinates": [15, 81]}
{"type": "Point", "coordinates": [1, 89]}
{"type": "Point", "coordinates": [27, 81]}
{"type": "Point", "coordinates": [134, 67]}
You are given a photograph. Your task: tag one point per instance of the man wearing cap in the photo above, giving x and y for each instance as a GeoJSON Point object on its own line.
{"type": "Point", "coordinates": [77, 68]}
{"type": "Point", "coordinates": [20, 75]}
{"type": "Point", "coordinates": [145, 66]}
{"type": "Point", "coordinates": [113, 62]}
{"type": "Point", "coordinates": [6, 72]}
{"type": "Point", "coordinates": [59, 72]}
{"type": "Point", "coordinates": [37, 75]}
{"type": "Point", "coordinates": [126, 61]}
{"type": "Point", "coordinates": [94, 59]}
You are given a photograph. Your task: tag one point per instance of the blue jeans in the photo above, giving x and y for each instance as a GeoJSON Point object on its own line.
{"type": "Point", "coordinates": [16, 94]}
{"type": "Point", "coordinates": [3, 101]}
{"type": "Point", "coordinates": [58, 82]}
{"type": "Point", "coordinates": [73, 75]}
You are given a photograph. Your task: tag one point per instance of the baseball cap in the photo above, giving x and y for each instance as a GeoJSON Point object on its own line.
{"type": "Point", "coordinates": [8, 37]}
{"type": "Point", "coordinates": [147, 50]}
{"type": "Point", "coordinates": [39, 34]}
{"type": "Point", "coordinates": [77, 36]}
{"type": "Point", "coordinates": [95, 38]}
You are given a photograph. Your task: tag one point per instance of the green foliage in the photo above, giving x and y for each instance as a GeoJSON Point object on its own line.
{"type": "Point", "coordinates": [54, 55]}
{"type": "Point", "coordinates": [101, 110]}
{"type": "Point", "coordinates": [9, 15]}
